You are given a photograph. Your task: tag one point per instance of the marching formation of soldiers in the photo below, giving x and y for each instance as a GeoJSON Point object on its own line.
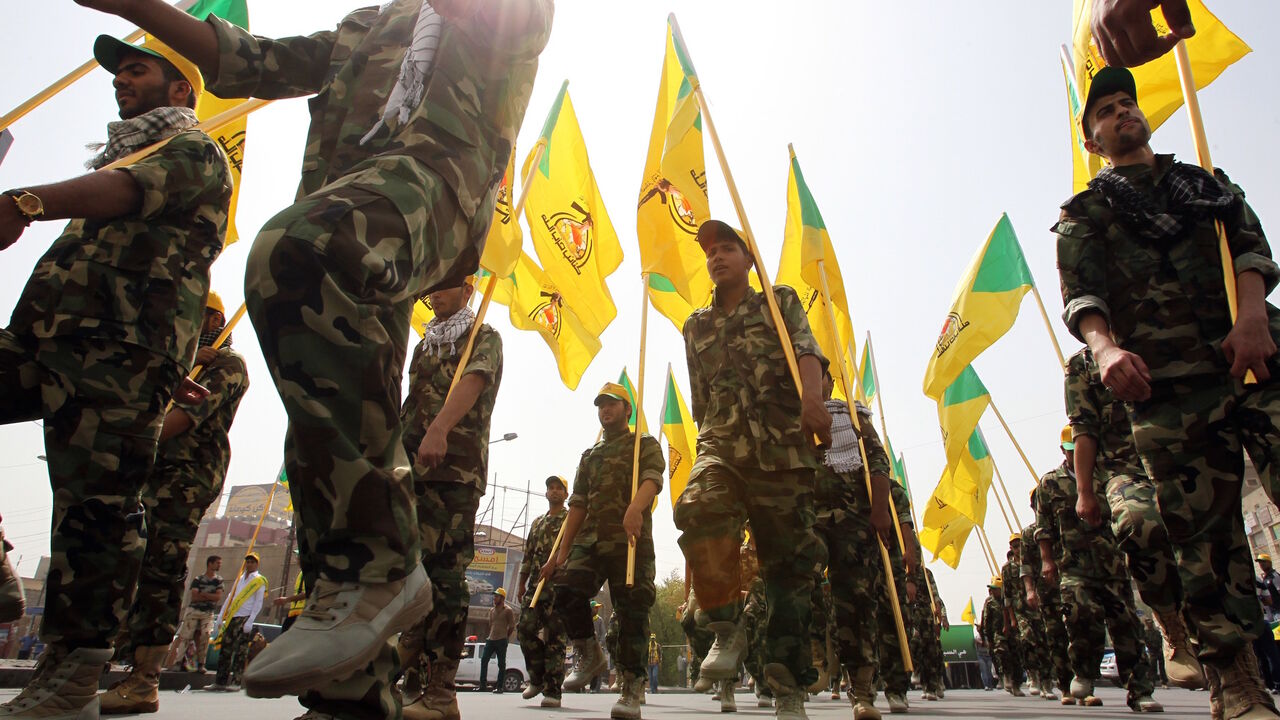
{"type": "Point", "coordinates": [804, 565]}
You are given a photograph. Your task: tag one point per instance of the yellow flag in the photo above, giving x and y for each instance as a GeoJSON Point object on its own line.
{"type": "Point", "coordinates": [537, 304]}
{"type": "Point", "coordinates": [571, 231]}
{"type": "Point", "coordinates": [944, 531]}
{"type": "Point", "coordinates": [673, 191]}
{"type": "Point", "coordinates": [422, 314]}
{"type": "Point", "coordinates": [806, 245]}
{"type": "Point", "coordinates": [965, 484]}
{"type": "Point", "coordinates": [959, 409]}
{"type": "Point", "coordinates": [668, 301]}
{"type": "Point", "coordinates": [967, 614]}
{"type": "Point", "coordinates": [682, 437]}
{"type": "Point", "coordinates": [985, 304]}
{"type": "Point", "coordinates": [503, 246]}
{"type": "Point", "coordinates": [1211, 50]}
{"type": "Point", "coordinates": [1084, 164]}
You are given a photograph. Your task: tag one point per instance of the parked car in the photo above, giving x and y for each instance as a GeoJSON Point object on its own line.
{"type": "Point", "coordinates": [469, 667]}
{"type": "Point", "coordinates": [1108, 669]}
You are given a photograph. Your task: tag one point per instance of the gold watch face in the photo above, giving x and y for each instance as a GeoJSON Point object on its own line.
{"type": "Point", "coordinates": [30, 205]}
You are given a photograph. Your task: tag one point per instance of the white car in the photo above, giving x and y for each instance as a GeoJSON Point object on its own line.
{"type": "Point", "coordinates": [469, 667]}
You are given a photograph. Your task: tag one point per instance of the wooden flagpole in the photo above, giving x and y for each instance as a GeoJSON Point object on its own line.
{"type": "Point", "coordinates": [635, 454]}
{"type": "Point", "coordinates": [1201, 142]}
{"type": "Point", "coordinates": [866, 476]}
{"type": "Point", "coordinates": [555, 547]}
{"type": "Point", "coordinates": [1044, 315]}
{"type": "Point", "coordinates": [995, 469]}
{"type": "Point", "coordinates": [217, 343]}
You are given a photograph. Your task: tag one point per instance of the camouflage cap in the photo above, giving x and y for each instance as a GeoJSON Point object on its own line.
{"type": "Point", "coordinates": [1108, 80]}
{"type": "Point", "coordinates": [108, 50]}
{"type": "Point", "coordinates": [615, 391]}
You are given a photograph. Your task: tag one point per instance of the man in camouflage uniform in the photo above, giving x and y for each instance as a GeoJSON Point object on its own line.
{"type": "Point", "coordinates": [852, 520]}
{"type": "Point", "coordinates": [99, 341]}
{"type": "Point", "coordinates": [893, 672]}
{"type": "Point", "coordinates": [1044, 601]}
{"type": "Point", "coordinates": [446, 432]}
{"type": "Point", "coordinates": [990, 624]}
{"type": "Point", "coordinates": [1104, 450]}
{"type": "Point", "coordinates": [1027, 621]}
{"type": "Point", "coordinates": [541, 632]}
{"type": "Point", "coordinates": [604, 517]}
{"type": "Point", "coordinates": [191, 464]}
{"type": "Point", "coordinates": [926, 616]}
{"type": "Point", "coordinates": [416, 110]}
{"type": "Point", "coordinates": [1014, 597]}
{"type": "Point", "coordinates": [1141, 272]}
{"type": "Point", "coordinates": [1095, 590]}
{"type": "Point", "coordinates": [755, 462]}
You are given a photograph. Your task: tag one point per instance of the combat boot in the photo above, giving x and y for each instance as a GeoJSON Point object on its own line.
{"type": "Point", "coordinates": [788, 695]}
{"type": "Point", "coordinates": [861, 694]}
{"type": "Point", "coordinates": [897, 703]}
{"type": "Point", "coordinates": [703, 684]}
{"type": "Point", "coordinates": [722, 660]}
{"type": "Point", "coordinates": [628, 705]}
{"type": "Point", "coordinates": [727, 701]}
{"type": "Point", "coordinates": [820, 664]}
{"type": "Point", "coordinates": [763, 698]}
{"type": "Point", "coordinates": [1145, 704]}
{"type": "Point", "coordinates": [64, 686]}
{"type": "Point", "coordinates": [588, 661]}
{"type": "Point", "coordinates": [1180, 662]}
{"type": "Point", "coordinates": [1046, 690]}
{"type": "Point", "coordinates": [1013, 688]}
{"type": "Point", "coordinates": [12, 601]}
{"type": "Point", "coordinates": [140, 691]}
{"type": "Point", "coordinates": [1214, 681]}
{"type": "Point", "coordinates": [1244, 697]}
{"type": "Point", "coordinates": [439, 700]}
{"type": "Point", "coordinates": [531, 690]}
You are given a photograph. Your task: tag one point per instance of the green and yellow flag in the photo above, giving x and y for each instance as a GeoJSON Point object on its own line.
{"type": "Point", "coordinates": [967, 614]}
{"type": "Point", "coordinates": [625, 381]}
{"type": "Point", "coordinates": [667, 300]}
{"type": "Point", "coordinates": [536, 304]}
{"type": "Point", "coordinates": [900, 469]}
{"type": "Point", "coordinates": [682, 438]}
{"type": "Point", "coordinates": [867, 386]}
{"type": "Point", "coordinates": [571, 231]}
{"type": "Point", "coordinates": [505, 242]}
{"type": "Point", "coordinates": [806, 253]}
{"type": "Point", "coordinates": [985, 305]}
{"type": "Point", "coordinates": [1212, 49]}
{"type": "Point", "coordinates": [964, 485]}
{"type": "Point", "coordinates": [959, 409]}
{"type": "Point", "coordinates": [944, 531]}
{"type": "Point", "coordinates": [673, 191]}
{"type": "Point", "coordinates": [231, 137]}
{"type": "Point", "coordinates": [1084, 164]}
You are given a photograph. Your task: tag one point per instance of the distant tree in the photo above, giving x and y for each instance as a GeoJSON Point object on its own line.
{"type": "Point", "coordinates": [664, 623]}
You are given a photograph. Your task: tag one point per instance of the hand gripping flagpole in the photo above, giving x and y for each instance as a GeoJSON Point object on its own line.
{"type": "Point", "coordinates": [1201, 141]}
{"type": "Point", "coordinates": [555, 547]}
{"type": "Point", "coordinates": [890, 585]}
{"type": "Point", "coordinates": [217, 343]}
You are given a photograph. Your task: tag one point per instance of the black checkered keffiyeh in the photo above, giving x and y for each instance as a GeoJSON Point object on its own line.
{"type": "Point", "coordinates": [1193, 193]}
{"type": "Point", "coordinates": [125, 137]}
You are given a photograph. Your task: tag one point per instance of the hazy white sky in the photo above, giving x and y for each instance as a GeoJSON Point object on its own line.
{"type": "Point", "coordinates": [916, 123]}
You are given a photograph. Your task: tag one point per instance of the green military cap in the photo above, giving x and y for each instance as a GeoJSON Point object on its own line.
{"type": "Point", "coordinates": [108, 50]}
{"type": "Point", "coordinates": [1108, 80]}
{"type": "Point", "coordinates": [615, 391]}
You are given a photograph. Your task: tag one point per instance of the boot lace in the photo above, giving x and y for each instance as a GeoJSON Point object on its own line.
{"type": "Point", "coordinates": [324, 600]}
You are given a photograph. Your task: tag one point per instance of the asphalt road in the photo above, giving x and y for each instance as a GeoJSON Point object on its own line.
{"type": "Point", "coordinates": [679, 705]}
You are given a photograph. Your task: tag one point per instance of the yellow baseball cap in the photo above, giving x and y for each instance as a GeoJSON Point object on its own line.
{"type": "Point", "coordinates": [215, 303]}
{"type": "Point", "coordinates": [252, 556]}
{"type": "Point", "coordinates": [108, 50]}
{"type": "Point", "coordinates": [996, 581]}
{"type": "Point", "coordinates": [500, 591]}
{"type": "Point", "coordinates": [615, 391]}
{"type": "Point", "coordinates": [1015, 538]}
{"type": "Point", "coordinates": [1263, 557]}
{"type": "Point", "coordinates": [1068, 440]}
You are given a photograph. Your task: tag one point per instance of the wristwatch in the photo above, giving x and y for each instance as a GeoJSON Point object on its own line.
{"type": "Point", "coordinates": [28, 204]}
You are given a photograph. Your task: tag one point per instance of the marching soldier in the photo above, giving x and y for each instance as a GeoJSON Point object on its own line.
{"type": "Point", "coordinates": [1045, 601]}
{"type": "Point", "coordinates": [893, 672]}
{"type": "Point", "coordinates": [541, 632]}
{"type": "Point", "coordinates": [1014, 597]}
{"type": "Point", "coordinates": [604, 518]}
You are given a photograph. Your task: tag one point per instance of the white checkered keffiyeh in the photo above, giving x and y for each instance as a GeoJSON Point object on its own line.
{"type": "Point", "coordinates": [412, 82]}
{"type": "Point", "coordinates": [844, 455]}
{"type": "Point", "coordinates": [125, 137]}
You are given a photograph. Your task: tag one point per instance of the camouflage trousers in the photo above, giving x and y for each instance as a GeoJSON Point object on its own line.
{"type": "Point", "coordinates": [446, 526]}
{"type": "Point", "coordinates": [710, 514]}
{"type": "Point", "coordinates": [857, 583]}
{"type": "Point", "coordinates": [1034, 645]}
{"type": "Point", "coordinates": [102, 404]}
{"type": "Point", "coordinates": [1142, 537]}
{"type": "Point", "coordinates": [195, 629]}
{"type": "Point", "coordinates": [1056, 638]}
{"type": "Point", "coordinates": [1007, 654]}
{"type": "Point", "coordinates": [893, 671]}
{"type": "Point", "coordinates": [701, 639]}
{"type": "Point", "coordinates": [925, 641]}
{"type": "Point", "coordinates": [330, 283]}
{"type": "Point", "coordinates": [754, 612]}
{"type": "Point", "coordinates": [542, 640]}
{"type": "Point", "coordinates": [1095, 608]}
{"type": "Point", "coordinates": [176, 496]}
{"type": "Point", "coordinates": [1190, 436]}
{"type": "Point", "coordinates": [233, 652]}
{"type": "Point", "coordinates": [580, 579]}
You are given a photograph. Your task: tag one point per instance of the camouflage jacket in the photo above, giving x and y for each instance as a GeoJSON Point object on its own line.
{"type": "Point", "coordinates": [1081, 552]}
{"type": "Point", "coordinates": [206, 446]}
{"type": "Point", "coordinates": [992, 619]}
{"type": "Point", "coordinates": [902, 512]}
{"type": "Point", "coordinates": [1030, 564]}
{"type": "Point", "coordinates": [842, 495]}
{"type": "Point", "coordinates": [1015, 596]}
{"type": "Point", "coordinates": [463, 130]}
{"type": "Point", "coordinates": [467, 458]}
{"type": "Point", "coordinates": [537, 547]}
{"type": "Point", "coordinates": [602, 487]}
{"type": "Point", "coordinates": [1094, 411]}
{"type": "Point", "coordinates": [744, 400]}
{"type": "Point", "coordinates": [1166, 303]}
{"type": "Point", "coordinates": [143, 278]}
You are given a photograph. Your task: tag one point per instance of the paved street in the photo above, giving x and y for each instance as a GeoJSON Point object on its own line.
{"type": "Point", "coordinates": [1179, 704]}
